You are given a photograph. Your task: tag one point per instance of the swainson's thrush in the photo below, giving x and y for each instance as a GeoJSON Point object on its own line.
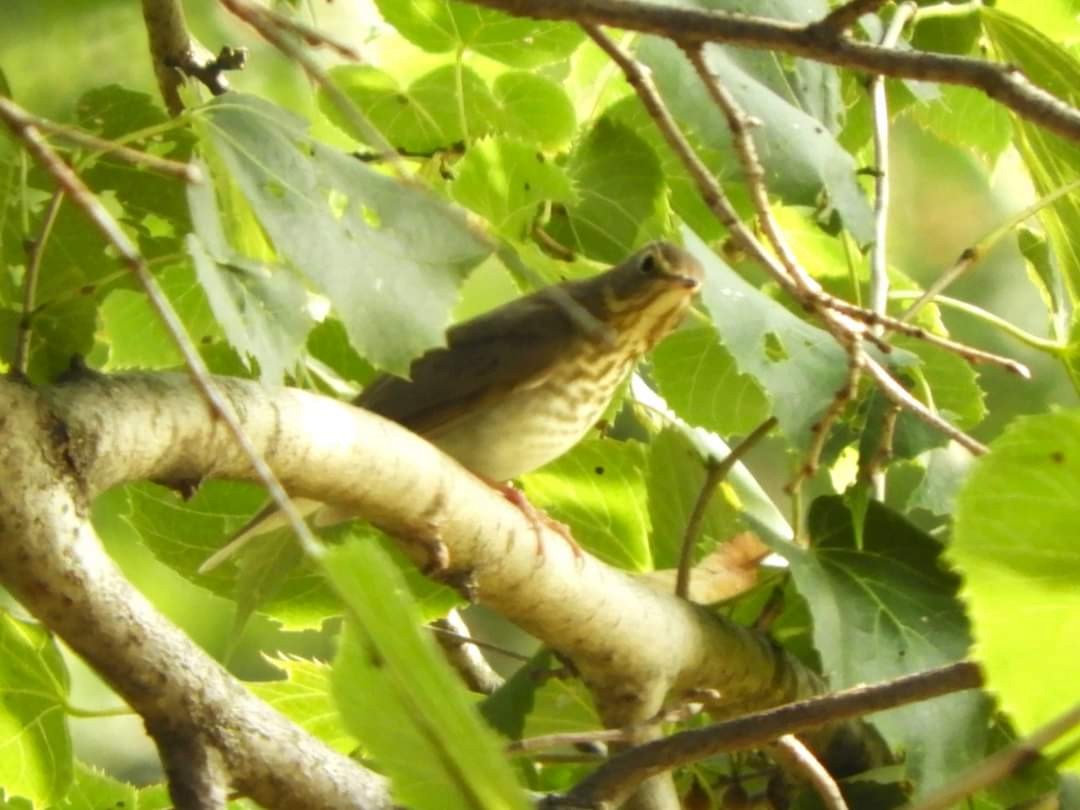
{"type": "Point", "coordinates": [520, 385]}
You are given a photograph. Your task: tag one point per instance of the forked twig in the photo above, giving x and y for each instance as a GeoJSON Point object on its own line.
{"type": "Point", "coordinates": [848, 323]}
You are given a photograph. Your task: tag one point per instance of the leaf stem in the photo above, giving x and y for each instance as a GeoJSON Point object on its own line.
{"type": "Point", "coordinates": [1045, 345]}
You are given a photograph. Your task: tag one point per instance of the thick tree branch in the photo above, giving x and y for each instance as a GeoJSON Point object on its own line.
{"type": "Point", "coordinates": [689, 26]}
{"type": "Point", "coordinates": [53, 563]}
{"type": "Point", "coordinates": [193, 769]}
{"type": "Point", "coordinates": [632, 642]}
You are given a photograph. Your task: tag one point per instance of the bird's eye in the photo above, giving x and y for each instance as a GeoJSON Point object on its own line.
{"type": "Point", "coordinates": [648, 264]}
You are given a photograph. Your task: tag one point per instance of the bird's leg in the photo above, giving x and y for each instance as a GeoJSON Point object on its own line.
{"type": "Point", "coordinates": [538, 517]}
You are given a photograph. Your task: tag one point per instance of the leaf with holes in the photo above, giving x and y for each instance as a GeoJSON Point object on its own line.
{"type": "Point", "coordinates": [389, 256]}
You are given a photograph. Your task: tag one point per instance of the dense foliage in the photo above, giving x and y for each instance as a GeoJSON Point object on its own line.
{"type": "Point", "coordinates": [308, 259]}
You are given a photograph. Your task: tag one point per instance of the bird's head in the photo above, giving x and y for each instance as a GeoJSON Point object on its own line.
{"type": "Point", "coordinates": [645, 296]}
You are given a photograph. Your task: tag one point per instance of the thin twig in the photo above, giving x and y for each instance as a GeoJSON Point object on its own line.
{"type": "Point", "coordinates": [711, 191]}
{"type": "Point", "coordinates": [754, 173]}
{"type": "Point", "coordinates": [898, 394]}
{"type": "Point", "coordinates": [624, 772]}
{"type": "Point", "coordinates": [312, 36]}
{"type": "Point", "coordinates": [822, 428]}
{"type": "Point", "coordinates": [627, 734]}
{"type": "Point", "coordinates": [1002, 764]}
{"type": "Point", "coordinates": [962, 350]}
{"type": "Point", "coordinates": [22, 126]}
{"type": "Point", "coordinates": [794, 754]}
{"type": "Point", "coordinates": [884, 452]}
{"type": "Point", "coordinates": [879, 254]}
{"type": "Point", "coordinates": [21, 358]}
{"type": "Point", "coordinates": [447, 632]}
{"type": "Point", "coordinates": [975, 253]}
{"type": "Point", "coordinates": [715, 472]}
{"type": "Point", "coordinates": [879, 267]}
{"type": "Point", "coordinates": [188, 172]}
{"type": "Point", "coordinates": [1046, 345]}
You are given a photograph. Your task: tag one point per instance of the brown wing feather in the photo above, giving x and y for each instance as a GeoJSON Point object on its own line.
{"type": "Point", "coordinates": [512, 347]}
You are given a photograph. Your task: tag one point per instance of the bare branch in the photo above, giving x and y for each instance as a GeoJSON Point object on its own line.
{"type": "Point", "coordinates": [688, 25]}
{"type": "Point", "coordinates": [622, 773]}
{"type": "Point", "coordinates": [52, 561]}
{"type": "Point", "coordinates": [188, 172]}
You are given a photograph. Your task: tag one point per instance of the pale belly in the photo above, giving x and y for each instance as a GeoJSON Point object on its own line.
{"type": "Point", "coordinates": [524, 431]}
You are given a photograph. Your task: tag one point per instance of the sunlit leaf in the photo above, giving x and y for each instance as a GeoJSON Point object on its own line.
{"type": "Point", "coordinates": [1015, 544]}
{"type": "Point", "coordinates": [388, 256]}
{"type": "Point", "coordinates": [36, 760]}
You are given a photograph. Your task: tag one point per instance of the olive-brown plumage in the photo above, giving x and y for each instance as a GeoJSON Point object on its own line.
{"type": "Point", "coordinates": [520, 385]}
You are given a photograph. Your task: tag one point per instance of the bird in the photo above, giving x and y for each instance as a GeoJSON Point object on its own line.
{"type": "Point", "coordinates": [520, 385]}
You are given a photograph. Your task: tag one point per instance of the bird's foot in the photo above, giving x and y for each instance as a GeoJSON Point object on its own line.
{"type": "Point", "coordinates": [539, 519]}
{"type": "Point", "coordinates": [463, 581]}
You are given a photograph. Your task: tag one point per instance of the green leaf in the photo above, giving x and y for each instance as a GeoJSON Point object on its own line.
{"type": "Point", "coordinates": [182, 533]}
{"type": "Point", "coordinates": [505, 182]}
{"type": "Point", "coordinates": [967, 117]}
{"type": "Point", "coordinates": [800, 155]}
{"type": "Point", "coordinates": [153, 205]}
{"type": "Point", "coordinates": [700, 381]}
{"type": "Point", "coordinates": [953, 382]}
{"type": "Point", "coordinates": [437, 110]}
{"type": "Point", "coordinates": [598, 490]}
{"type": "Point", "coordinates": [276, 580]}
{"type": "Point", "coordinates": [535, 109]}
{"type": "Point", "coordinates": [389, 256]}
{"type": "Point", "coordinates": [1055, 19]}
{"type": "Point", "coordinates": [262, 310]}
{"type": "Point", "coordinates": [800, 366]}
{"type": "Point", "coordinates": [36, 760]}
{"type": "Point", "coordinates": [60, 332]}
{"type": "Point", "coordinates": [94, 789]}
{"type": "Point", "coordinates": [947, 469]}
{"type": "Point", "coordinates": [885, 609]}
{"type": "Point", "coordinates": [440, 26]}
{"type": "Point", "coordinates": [135, 333]}
{"type": "Point", "coordinates": [304, 696]}
{"type": "Point", "coordinates": [1015, 544]}
{"type": "Point", "coordinates": [621, 194]}
{"type": "Point", "coordinates": [506, 708]}
{"type": "Point", "coordinates": [1052, 161]}
{"type": "Point", "coordinates": [675, 475]}
{"type": "Point", "coordinates": [398, 695]}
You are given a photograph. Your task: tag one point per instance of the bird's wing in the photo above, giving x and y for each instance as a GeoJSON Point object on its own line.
{"type": "Point", "coordinates": [507, 349]}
